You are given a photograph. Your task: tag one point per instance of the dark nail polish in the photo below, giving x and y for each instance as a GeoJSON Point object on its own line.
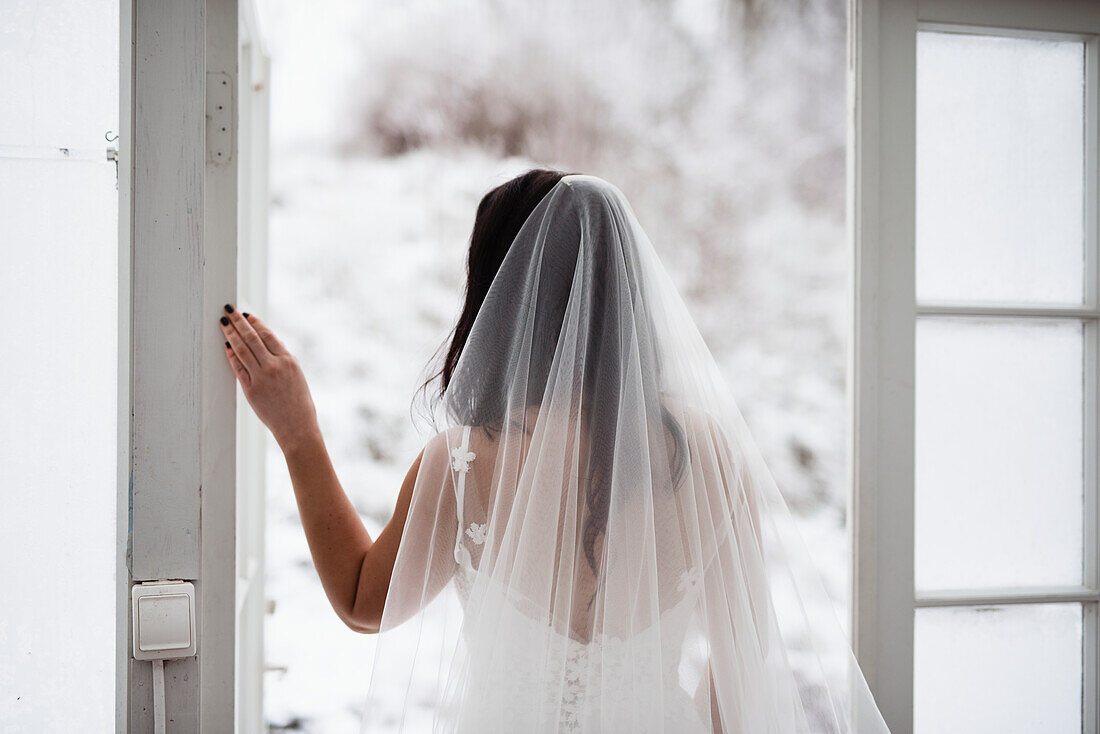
{"type": "Point", "coordinates": [225, 321]}
{"type": "Point", "coordinates": [227, 344]}
{"type": "Point", "coordinates": [228, 308]}
{"type": "Point", "coordinates": [245, 314]}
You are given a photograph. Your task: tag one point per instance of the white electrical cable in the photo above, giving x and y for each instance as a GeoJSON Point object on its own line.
{"type": "Point", "coordinates": [158, 697]}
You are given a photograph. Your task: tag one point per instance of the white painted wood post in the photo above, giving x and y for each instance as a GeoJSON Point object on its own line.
{"type": "Point", "coordinates": [178, 205]}
{"type": "Point", "coordinates": [219, 507]}
{"type": "Point", "coordinates": [881, 218]}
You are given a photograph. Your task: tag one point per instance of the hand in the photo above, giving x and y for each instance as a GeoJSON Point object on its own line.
{"type": "Point", "coordinates": [270, 377]}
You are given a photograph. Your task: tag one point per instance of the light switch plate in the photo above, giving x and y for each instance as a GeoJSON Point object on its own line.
{"type": "Point", "coordinates": [164, 619]}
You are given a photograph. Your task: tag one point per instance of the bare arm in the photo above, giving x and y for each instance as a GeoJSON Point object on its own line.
{"type": "Point", "coordinates": [744, 505]}
{"type": "Point", "coordinates": [354, 569]}
{"type": "Point", "coordinates": [700, 702]}
{"type": "Point", "coordinates": [355, 579]}
{"type": "Point", "coordinates": [376, 569]}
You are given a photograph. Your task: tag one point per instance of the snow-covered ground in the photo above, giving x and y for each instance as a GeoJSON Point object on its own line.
{"type": "Point", "coordinates": [389, 121]}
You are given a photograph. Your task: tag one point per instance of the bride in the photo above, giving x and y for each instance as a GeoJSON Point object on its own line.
{"type": "Point", "coordinates": [591, 542]}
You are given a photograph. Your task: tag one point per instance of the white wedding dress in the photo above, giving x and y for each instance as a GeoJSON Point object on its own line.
{"type": "Point", "coordinates": [550, 696]}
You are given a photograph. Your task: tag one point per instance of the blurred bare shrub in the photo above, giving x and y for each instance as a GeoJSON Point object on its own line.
{"type": "Point", "coordinates": [719, 93]}
{"type": "Point", "coordinates": [723, 121]}
{"type": "Point", "coordinates": [515, 108]}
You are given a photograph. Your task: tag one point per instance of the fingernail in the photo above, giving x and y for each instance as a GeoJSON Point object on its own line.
{"type": "Point", "coordinates": [227, 344]}
{"type": "Point", "coordinates": [225, 321]}
{"type": "Point", "coordinates": [245, 314]}
{"type": "Point", "coordinates": [228, 308]}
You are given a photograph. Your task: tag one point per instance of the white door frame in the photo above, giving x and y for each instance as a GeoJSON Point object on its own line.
{"type": "Point", "coordinates": [881, 220]}
{"type": "Point", "coordinates": [252, 184]}
{"type": "Point", "coordinates": [177, 410]}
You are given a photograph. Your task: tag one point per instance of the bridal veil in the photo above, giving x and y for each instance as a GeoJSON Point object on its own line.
{"type": "Point", "coordinates": [594, 543]}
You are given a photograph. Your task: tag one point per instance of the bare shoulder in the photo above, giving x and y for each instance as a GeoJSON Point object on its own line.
{"type": "Point", "coordinates": [448, 441]}
{"type": "Point", "coordinates": [442, 443]}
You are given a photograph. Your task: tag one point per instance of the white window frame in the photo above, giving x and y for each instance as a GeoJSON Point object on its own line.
{"type": "Point", "coordinates": [186, 508]}
{"type": "Point", "coordinates": [881, 221]}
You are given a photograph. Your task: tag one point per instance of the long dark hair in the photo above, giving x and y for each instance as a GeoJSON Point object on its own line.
{"type": "Point", "coordinates": [500, 216]}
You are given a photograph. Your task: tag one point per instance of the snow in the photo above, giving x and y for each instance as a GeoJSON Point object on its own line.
{"type": "Point", "coordinates": [389, 121]}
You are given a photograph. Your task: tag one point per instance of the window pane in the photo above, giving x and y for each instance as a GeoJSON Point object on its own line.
{"type": "Point", "coordinates": [1004, 669]}
{"type": "Point", "coordinates": [59, 296]}
{"type": "Point", "coordinates": [999, 463]}
{"type": "Point", "coordinates": [1000, 131]}
{"type": "Point", "coordinates": [60, 80]}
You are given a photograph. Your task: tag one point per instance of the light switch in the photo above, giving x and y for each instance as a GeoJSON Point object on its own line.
{"type": "Point", "coordinates": [164, 620]}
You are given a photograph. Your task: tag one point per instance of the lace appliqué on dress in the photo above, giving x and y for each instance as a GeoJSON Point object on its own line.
{"type": "Point", "coordinates": [689, 581]}
{"type": "Point", "coordinates": [478, 532]}
{"type": "Point", "coordinates": [461, 458]}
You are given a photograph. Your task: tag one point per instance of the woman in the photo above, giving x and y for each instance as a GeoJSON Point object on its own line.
{"type": "Point", "coordinates": [621, 554]}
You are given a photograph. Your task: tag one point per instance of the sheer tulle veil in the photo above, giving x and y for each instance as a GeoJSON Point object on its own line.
{"type": "Point", "coordinates": [594, 543]}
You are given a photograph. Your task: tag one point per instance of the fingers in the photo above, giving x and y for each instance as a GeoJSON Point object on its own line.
{"type": "Point", "coordinates": [237, 344]}
{"type": "Point", "coordinates": [269, 339]}
{"type": "Point", "coordinates": [253, 353]}
{"type": "Point", "coordinates": [238, 368]}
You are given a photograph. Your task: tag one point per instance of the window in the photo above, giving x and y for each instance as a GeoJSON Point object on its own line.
{"type": "Point", "coordinates": [974, 190]}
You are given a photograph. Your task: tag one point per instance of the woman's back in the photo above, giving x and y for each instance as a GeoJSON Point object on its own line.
{"type": "Point", "coordinates": [536, 682]}
{"type": "Point", "coordinates": [481, 483]}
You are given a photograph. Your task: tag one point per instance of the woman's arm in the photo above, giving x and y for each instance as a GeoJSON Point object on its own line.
{"type": "Point", "coordinates": [337, 539]}
{"type": "Point", "coordinates": [354, 569]}
{"type": "Point", "coordinates": [376, 569]}
{"type": "Point", "coordinates": [741, 497]}
{"type": "Point", "coordinates": [703, 696]}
